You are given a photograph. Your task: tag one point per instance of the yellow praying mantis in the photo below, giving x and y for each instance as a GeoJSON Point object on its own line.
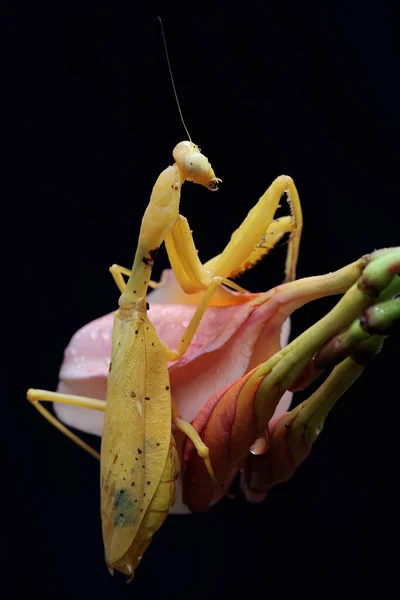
{"type": "Point", "coordinates": [139, 460]}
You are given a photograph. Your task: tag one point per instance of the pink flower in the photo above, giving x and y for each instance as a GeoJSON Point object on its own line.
{"type": "Point", "coordinates": [215, 383]}
{"type": "Point", "coordinates": [230, 341]}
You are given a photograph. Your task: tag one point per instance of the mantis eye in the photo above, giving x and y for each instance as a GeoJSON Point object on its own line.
{"type": "Point", "coordinates": [196, 165]}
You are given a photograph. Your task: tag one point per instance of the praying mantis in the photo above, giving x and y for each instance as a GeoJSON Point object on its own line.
{"type": "Point", "coordinates": [139, 459]}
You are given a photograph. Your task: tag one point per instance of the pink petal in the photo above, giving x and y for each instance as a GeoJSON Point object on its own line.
{"type": "Point", "coordinates": [229, 341]}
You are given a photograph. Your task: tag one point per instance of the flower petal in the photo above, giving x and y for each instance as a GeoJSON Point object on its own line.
{"type": "Point", "coordinates": [228, 342]}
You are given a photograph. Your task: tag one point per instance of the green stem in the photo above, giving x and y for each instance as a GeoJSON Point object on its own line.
{"type": "Point", "coordinates": [311, 414]}
{"type": "Point", "coordinates": [375, 320]}
{"type": "Point", "coordinates": [284, 367]}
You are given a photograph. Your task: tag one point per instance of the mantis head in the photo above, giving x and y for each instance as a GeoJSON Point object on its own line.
{"type": "Point", "coordinates": [194, 166]}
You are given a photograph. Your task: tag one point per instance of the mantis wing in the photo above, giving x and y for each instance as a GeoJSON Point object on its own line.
{"type": "Point", "coordinates": [137, 431]}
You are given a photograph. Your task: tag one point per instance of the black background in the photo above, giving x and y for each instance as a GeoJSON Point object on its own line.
{"type": "Point", "coordinates": [306, 90]}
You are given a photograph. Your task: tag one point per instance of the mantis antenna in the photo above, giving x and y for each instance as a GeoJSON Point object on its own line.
{"type": "Point", "coordinates": [172, 78]}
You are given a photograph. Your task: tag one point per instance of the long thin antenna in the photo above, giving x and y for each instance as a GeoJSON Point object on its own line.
{"type": "Point", "coordinates": [172, 79]}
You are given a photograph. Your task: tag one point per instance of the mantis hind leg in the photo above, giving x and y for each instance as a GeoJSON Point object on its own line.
{"type": "Point", "coordinates": [35, 397]}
